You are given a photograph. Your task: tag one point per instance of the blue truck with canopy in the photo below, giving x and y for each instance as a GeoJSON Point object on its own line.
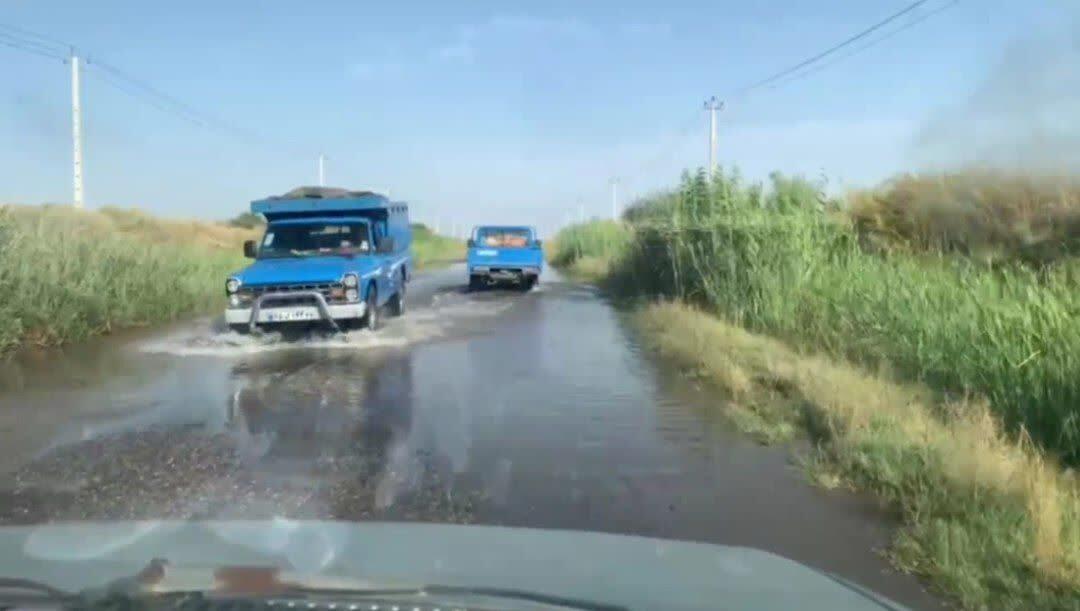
{"type": "Point", "coordinates": [499, 253]}
{"type": "Point", "coordinates": [328, 256]}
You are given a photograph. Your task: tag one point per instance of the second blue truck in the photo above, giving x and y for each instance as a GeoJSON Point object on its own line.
{"type": "Point", "coordinates": [504, 254]}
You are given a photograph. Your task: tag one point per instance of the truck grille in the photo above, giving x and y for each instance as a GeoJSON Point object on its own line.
{"type": "Point", "coordinates": [325, 288]}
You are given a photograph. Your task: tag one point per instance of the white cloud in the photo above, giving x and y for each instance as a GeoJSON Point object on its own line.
{"type": "Point", "coordinates": [645, 29]}
{"type": "Point", "coordinates": [373, 69]}
{"type": "Point", "coordinates": [460, 50]}
{"type": "Point", "coordinates": [537, 26]}
{"type": "Point", "coordinates": [499, 30]}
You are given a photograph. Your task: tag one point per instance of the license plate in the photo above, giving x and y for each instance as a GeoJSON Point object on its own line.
{"type": "Point", "coordinates": [487, 253]}
{"type": "Point", "coordinates": [291, 314]}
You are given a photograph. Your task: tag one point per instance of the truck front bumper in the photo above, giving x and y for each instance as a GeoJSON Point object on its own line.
{"type": "Point", "coordinates": [261, 312]}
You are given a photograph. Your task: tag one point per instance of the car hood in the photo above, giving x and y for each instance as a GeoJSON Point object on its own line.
{"type": "Point", "coordinates": [305, 270]}
{"type": "Point", "coordinates": [634, 572]}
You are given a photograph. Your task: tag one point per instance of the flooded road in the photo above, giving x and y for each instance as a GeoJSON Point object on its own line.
{"type": "Point", "coordinates": [504, 408]}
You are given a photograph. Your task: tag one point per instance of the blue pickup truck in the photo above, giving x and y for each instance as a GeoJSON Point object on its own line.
{"type": "Point", "coordinates": [328, 256]}
{"type": "Point", "coordinates": [502, 254]}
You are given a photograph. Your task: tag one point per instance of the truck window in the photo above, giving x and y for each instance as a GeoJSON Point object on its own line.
{"type": "Point", "coordinates": [302, 240]}
{"type": "Point", "coordinates": [495, 237]}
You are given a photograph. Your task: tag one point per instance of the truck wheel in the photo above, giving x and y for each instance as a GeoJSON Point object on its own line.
{"type": "Point", "coordinates": [397, 304]}
{"type": "Point", "coordinates": [240, 329]}
{"type": "Point", "coordinates": [528, 283]}
{"type": "Point", "coordinates": [371, 314]}
{"type": "Point", "coordinates": [476, 283]}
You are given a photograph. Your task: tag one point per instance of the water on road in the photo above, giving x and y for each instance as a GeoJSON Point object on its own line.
{"type": "Point", "coordinates": [534, 409]}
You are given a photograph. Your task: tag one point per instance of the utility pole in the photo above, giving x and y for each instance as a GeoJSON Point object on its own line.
{"type": "Point", "coordinates": [76, 132]}
{"type": "Point", "coordinates": [322, 170]}
{"type": "Point", "coordinates": [581, 212]}
{"type": "Point", "coordinates": [614, 199]}
{"type": "Point", "coordinates": [712, 105]}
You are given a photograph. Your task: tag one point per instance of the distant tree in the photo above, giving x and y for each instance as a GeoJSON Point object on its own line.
{"type": "Point", "coordinates": [247, 220]}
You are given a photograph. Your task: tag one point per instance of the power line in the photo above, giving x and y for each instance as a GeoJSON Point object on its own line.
{"type": "Point", "coordinates": [666, 152]}
{"type": "Point", "coordinates": [29, 46]}
{"type": "Point", "coordinates": [175, 106]}
{"type": "Point", "coordinates": [806, 62]}
{"type": "Point", "coordinates": [122, 86]}
{"type": "Point", "coordinates": [789, 74]}
{"type": "Point", "coordinates": [871, 43]}
{"type": "Point", "coordinates": [44, 40]}
{"type": "Point", "coordinates": [147, 93]}
{"type": "Point", "coordinates": [54, 48]}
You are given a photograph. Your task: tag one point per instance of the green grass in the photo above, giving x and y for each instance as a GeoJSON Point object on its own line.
{"type": "Point", "coordinates": [790, 263]}
{"type": "Point", "coordinates": [595, 238]}
{"type": "Point", "coordinates": [430, 248]}
{"type": "Point", "coordinates": [67, 275]}
{"type": "Point", "coordinates": [793, 269]}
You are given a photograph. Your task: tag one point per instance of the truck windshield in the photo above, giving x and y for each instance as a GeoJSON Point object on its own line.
{"type": "Point", "coordinates": [499, 237]}
{"type": "Point", "coordinates": [304, 240]}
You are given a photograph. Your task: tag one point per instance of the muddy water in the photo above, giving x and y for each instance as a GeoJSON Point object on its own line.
{"type": "Point", "coordinates": [533, 409]}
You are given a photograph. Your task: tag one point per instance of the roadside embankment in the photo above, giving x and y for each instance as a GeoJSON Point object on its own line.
{"type": "Point", "coordinates": [935, 370]}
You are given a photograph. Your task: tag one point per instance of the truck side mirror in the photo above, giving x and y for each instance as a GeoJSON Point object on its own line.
{"type": "Point", "coordinates": [249, 249]}
{"type": "Point", "coordinates": [386, 246]}
{"type": "Point", "coordinates": [471, 243]}
{"type": "Point", "coordinates": [538, 243]}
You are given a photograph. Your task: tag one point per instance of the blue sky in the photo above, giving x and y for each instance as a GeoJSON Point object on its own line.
{"type": "Point", "coordinates": [473, 111]}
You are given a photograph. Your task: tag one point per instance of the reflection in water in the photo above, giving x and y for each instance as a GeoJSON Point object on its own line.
{"type": "Point", "coordinates": [301, 434]}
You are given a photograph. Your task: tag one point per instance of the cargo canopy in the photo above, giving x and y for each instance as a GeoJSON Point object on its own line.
{"type": "Point", "coordinates": [320, 201]}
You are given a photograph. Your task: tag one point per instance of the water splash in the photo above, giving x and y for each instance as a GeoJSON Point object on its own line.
{"type": "Point", "coordinates": [447, 313]}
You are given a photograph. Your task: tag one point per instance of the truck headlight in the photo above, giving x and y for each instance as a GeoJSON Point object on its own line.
{"type": "Point", "coordinates": [234, 300]}
{"type": "Point", "coordinates": [232, 285]}
{"type": "Point", "coordinates": [350, 281]}
{"type": "Point", "coordinates": [352, 295]}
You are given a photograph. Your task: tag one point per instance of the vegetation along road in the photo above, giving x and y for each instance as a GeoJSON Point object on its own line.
{"type": "Point", "coordinates": [923, 337]}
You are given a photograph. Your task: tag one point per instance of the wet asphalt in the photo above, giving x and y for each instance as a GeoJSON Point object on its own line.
{"type": "Point", "coordinates": [534, 409]}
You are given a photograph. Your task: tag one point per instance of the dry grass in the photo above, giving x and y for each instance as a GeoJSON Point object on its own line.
{"type": "Point", "coordinates": [138, 225]}
{"type": "Point", "coordinates": [990, 216]}
{"type": "Point", "coordinates": [990, 519]}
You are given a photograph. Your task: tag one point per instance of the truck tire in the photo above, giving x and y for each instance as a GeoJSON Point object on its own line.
{"type": "Point", "coordinates": [397, 303]}
{"type": "Point", "coordinates": [372, 320]}
{"type": "Point", "coordinates": [528, 283]}
{"type": "Point", "coordinates": [476, 283]}
{"type": "Point", "coordinates": [240, 329]}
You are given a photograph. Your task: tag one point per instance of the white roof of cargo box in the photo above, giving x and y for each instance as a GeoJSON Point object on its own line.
{"type": "Point", "coordinates": [312, 200]}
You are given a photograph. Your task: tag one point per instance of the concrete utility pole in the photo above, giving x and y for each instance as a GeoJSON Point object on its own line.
{"type": "Point", "coordinates": [614, 199]}
{"type": "Point", "coordinates": [322, 170]}
{"type": "Point", "coordinates": [76, 132]}
{"type": "Point", "coordinates": [712, 105]}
